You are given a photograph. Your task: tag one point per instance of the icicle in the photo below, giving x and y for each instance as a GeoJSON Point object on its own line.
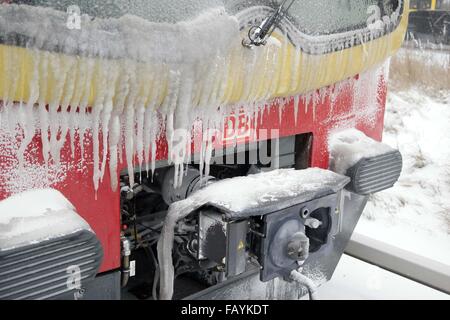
{"type": "Point", "coordinates": [26, 116]}
{"type": "Point", "coordinates": [126, 97]}
{"type": "Point", "coordinates": [114, 139]}
{"type": "Point", "coordinates": [96, 146]}
{"type": "Point", "coordinates": [140, 135]}
{"type": "Point", "coordinates": [296, 105]}
{"type": "Point", "coordinates": [129, 143]}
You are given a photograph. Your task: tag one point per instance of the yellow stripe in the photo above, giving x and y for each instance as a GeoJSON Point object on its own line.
{"type": "Point", "coordinates": [312, 72]}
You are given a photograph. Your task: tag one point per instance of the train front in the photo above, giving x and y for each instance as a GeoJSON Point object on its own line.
{"type": "Point", "coordinates": [174, 149]}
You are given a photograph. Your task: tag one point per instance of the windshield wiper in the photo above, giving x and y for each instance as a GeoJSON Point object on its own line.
{"type": "Point", "coordinates": [258, 34]}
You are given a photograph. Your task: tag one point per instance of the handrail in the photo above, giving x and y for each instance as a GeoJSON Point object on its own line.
{"type": "Point", "coordinates": [405, 263]}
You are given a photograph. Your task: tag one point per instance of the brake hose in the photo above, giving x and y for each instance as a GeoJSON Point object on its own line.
{"type": "Point", "coordinates": [306, 282]}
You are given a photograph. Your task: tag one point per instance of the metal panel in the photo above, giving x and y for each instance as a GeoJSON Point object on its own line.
{"type": "Point", "coordinates": [42, 271]}
{"type": "Point", "coordinates": [374, 174]}
{"type": "Point", "coordinates": [236, 245]}
{"type": "Point", "coordinates": [104, 287]}
{"type": "Point", "coordinates": [323, 263]}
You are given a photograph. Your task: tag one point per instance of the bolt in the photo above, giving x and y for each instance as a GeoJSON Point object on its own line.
{"type": "Point", "coordinates": [313, 223]}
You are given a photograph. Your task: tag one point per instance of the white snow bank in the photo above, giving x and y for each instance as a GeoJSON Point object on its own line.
{"type": "Point", "coordinates": [37, 215]}
{"type": "Point", "coordinates": [349, 146]}
{"type": "Point", "coordinates": [415, 214]}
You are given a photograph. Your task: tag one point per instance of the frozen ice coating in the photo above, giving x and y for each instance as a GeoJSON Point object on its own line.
{"type": "Point", "coordinates": [242, 197]}
{"type": "Point", "coordinates": [305, 281]}
{"type": "Point", "coordinates": [160, 70]}
{"type": "Point", "coordinates": [349, 146]}
{"type": "Point", "coordinates": [126, 82]}
{"type": "Point", "coordinates": [51, 215]}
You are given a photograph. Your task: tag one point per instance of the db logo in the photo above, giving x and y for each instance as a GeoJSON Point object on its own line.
{"type": "Point", "coordinates": [237, 127]}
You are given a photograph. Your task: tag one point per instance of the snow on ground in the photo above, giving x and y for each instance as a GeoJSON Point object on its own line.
{"type": "Point", "coordinates": [415, 214]}
{"type": "Point", "coordinates": [357, 280]}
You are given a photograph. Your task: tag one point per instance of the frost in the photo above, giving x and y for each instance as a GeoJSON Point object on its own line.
{"type": "Point", "coordinates": [306, 282]}
{"type": "Point", "coordinates": [127, 83]}
{"type": "Point", "coordinates": [17, 172]}
{"type": "Point", "coordinates": [149, 79]}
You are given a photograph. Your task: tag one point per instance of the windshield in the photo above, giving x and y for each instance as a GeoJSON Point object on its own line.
{"type": "Point", "coordinates": [335, 16]}
{"type": "Point", "coordinates": [153, 10]}
{"type": "Point", "coordinates": [313, 17]}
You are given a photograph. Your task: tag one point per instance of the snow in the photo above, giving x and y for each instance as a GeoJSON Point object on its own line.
{"type": "Point", "coordinates": [415, 214]}
{"type": "Point", "coordinates": [50, 216]}
{"type": "Point", "coordinates": [243, 196]}
{"type": "Point", "coordinates": [348, 147]}
{"type": "Point", "coordinates": [354, 279]}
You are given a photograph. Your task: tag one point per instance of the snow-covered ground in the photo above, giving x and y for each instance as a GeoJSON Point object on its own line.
{"type": "Point", "coordinates": [415, 214]}
{"type": "Point", "coordinates": [357, 280]}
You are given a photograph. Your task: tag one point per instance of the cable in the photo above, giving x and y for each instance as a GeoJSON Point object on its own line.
{"type": "Point", "coordinates": [306, 282]}
{"type": "Point", "coordinates": [156, 275]}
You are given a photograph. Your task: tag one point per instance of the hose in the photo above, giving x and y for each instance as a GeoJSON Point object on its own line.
{"type": "Point", "coordinates": [126, 251]}
{"type": "Point", "coordinates": [177, 211]}
{"type": "Point", "coordinates": [125, 271]}
{"type": "Point", "coordinates": [306, 282]}
{"type": "Point", "coordinates": [156, 275]}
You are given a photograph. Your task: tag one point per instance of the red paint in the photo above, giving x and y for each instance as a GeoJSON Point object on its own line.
{"type": "Point", "coordinates": [102, 210]}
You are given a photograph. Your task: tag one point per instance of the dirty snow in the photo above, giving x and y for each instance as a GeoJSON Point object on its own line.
{"type": "Point", "coordinates": [50, 216]}
{"type": "Point", "coordinates": [415, 214]}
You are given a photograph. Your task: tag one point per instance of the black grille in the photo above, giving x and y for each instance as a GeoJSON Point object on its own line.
{"type": "Point", "coordinates": [375, 174]}
{"type": "Point", "coordinates": [40, 271]}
